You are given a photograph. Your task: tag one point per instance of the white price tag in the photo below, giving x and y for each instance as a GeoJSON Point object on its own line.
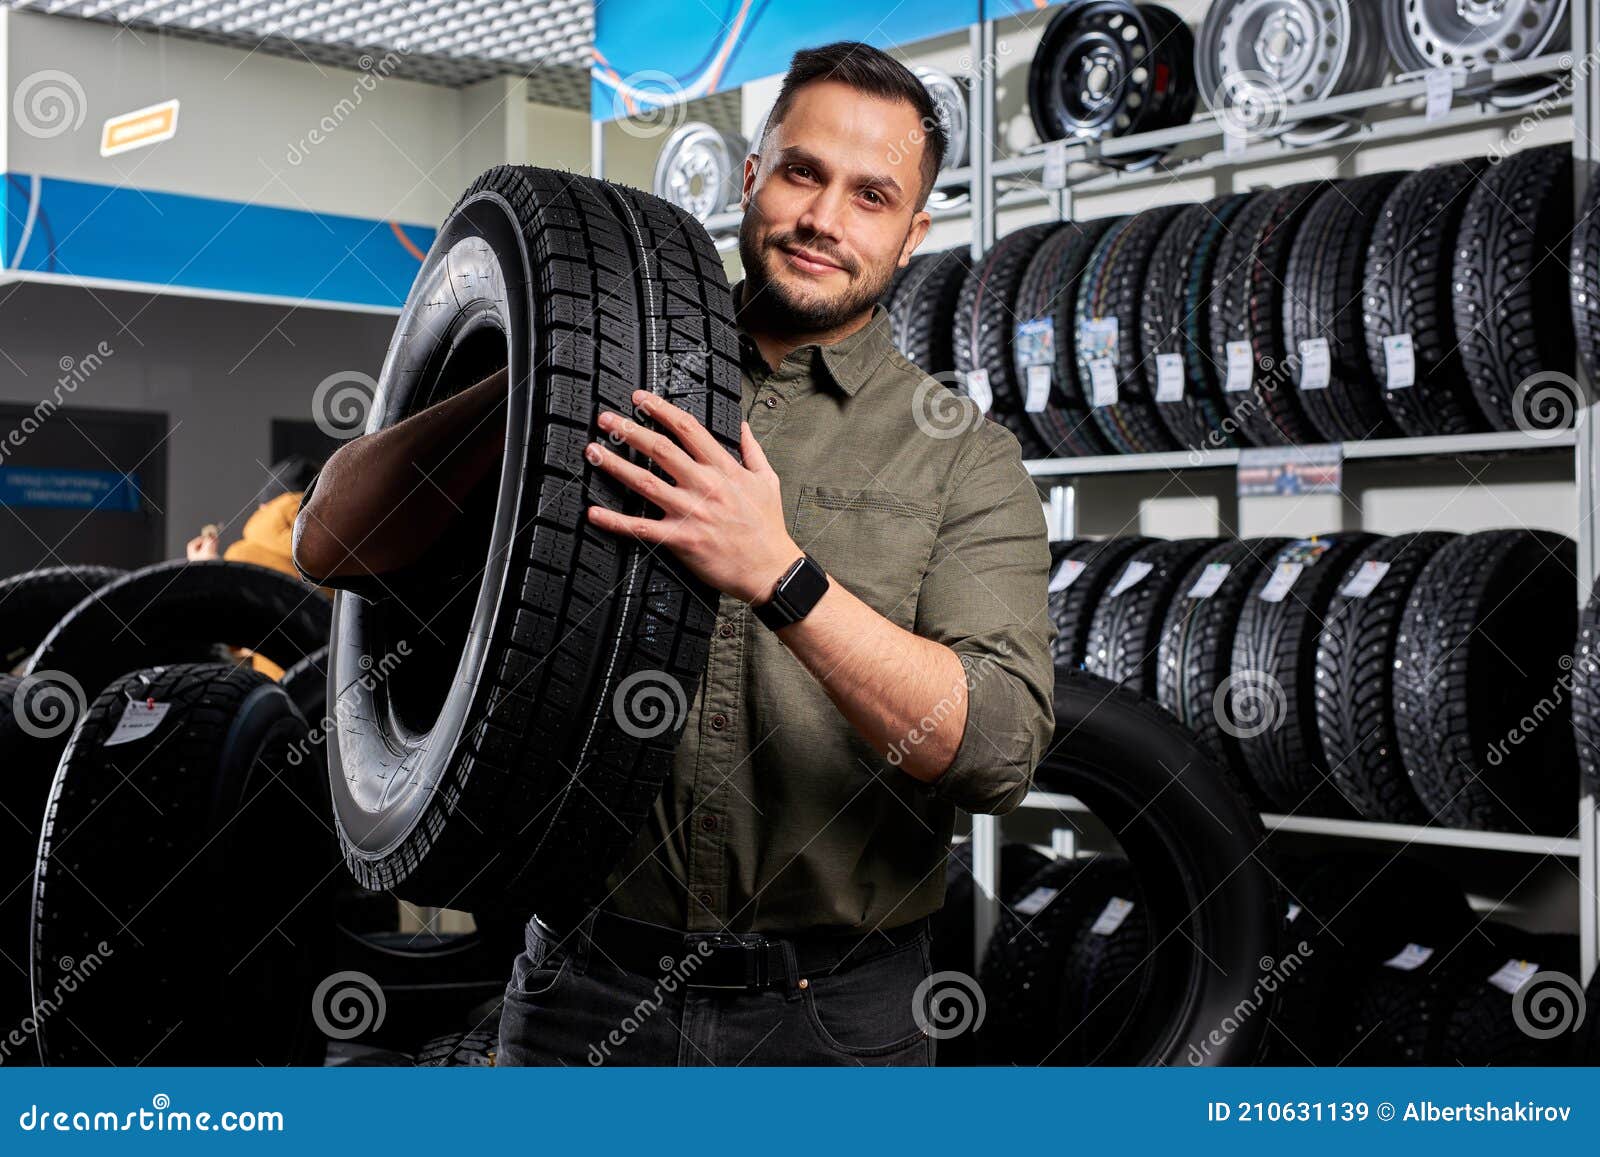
{"type": "Point", "coordinates": [1316, 364]}
{"type": "Point", "coordinates": [1409, 958]}
{"type": "Point", "coordinates": [1103, 376]}
{"type": "Point", "coordinates": [1294, 911]}
{"type": "Point", "coordinates": [1169, 377]}
{"type": "Point", "coordinates": [1210, 580]}
{"type": "Point", "coordinates": [139, 718]}
{"type": "Point", "coordinates": [1513, 974]}
{"type": "Point", "coordinates": [1399, 361]}
{"type": "Point", "coordinates": [1066, 574]}
{"type": "Point", "coordinates": [1365, 580]}
{"type": "Point", "coordinates": [1038, 389]}
{"type": "Point", "coordinates": [1233, 143]}
{"type": "Point", "coordinates": [1132, 575]}
{"type": "Point", "coordinates": [1112, 916]}
{"type": "Point", "coordinates": [1282, 580]}
{"type": "Point", "coordinates": [1033, 903]}
{"type": "Point", "coordinates": [1241, 366]}
{"type": "Point", "coordinates": [978, 390]}
{"type": "Point", "coordinates": [1055, 166]}
{"type": "Point", "coordinates": [1440, 85]}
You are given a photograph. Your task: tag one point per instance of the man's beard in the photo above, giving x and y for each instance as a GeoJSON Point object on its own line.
{"type": "Point", "coordinates": [770, 300]}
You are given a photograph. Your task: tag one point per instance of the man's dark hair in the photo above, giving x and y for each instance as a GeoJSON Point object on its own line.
{"type": "Point", "coordinates": [876, 73]}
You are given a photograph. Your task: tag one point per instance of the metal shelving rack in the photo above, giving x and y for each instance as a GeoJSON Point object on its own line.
{"type": "Point", "coordinates": [1203, 148]}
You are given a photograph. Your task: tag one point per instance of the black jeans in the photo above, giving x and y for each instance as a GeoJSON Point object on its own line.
{"type": "Point", "coordinates": [566, 1004]}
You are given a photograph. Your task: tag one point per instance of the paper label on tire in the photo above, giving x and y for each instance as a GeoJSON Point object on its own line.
{"type": "Point", "coordinates": [978, 390]}
{"type": "Point", "coordinates": [1513, 974]}
{"type": "Point", "coordinates": [1038, 395]}
{"type": "Point", "coordinates": [1103, 377]}
{"type": "Point", "coordinates": [1132, 575]}
{"type": "Point", "coordinates": [139, 718]}
{"type": "Point", "coordinates": [1365, 580]}
{"type": "Point", "coordinates": [1066, 574]}
{"type": "Point", "coordinates": [1281, 582]}
{"type": "Point", "coordinates": [1169, 377]}
{"type": "Point", "coordinates": [1410, 958]}
{"type": "Point", "coordinates": [1033, 903]}
{"type": "Point", "coordinates": [1294, 912]}
{"type": "Point", "coordinates": [1399, 361]}
{"type": "Point", "coordinates": [1210, 580]}
{"type": "Point", "coordinates": [1111, 916]}
{"type": "Point", "coordinates": [1241, 367]}
{"type": "Point", "coordinates": [1316, 364]}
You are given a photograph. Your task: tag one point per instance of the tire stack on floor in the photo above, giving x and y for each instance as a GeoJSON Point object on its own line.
{"type": "Point", "coordinates": [1415, 678]}
{"type": "Point", "coordinates": [1328, 311]}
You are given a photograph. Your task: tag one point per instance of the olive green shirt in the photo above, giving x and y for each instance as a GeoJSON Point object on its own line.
{"type": "Point", "coordinates": [778, 816]}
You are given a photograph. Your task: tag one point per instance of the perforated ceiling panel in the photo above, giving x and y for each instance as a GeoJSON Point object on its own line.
{"type": "Point", "coordinates": [442, 41]}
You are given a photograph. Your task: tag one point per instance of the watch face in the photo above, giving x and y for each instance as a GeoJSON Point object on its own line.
{"type": "Point", "coordinates": [805, 586]}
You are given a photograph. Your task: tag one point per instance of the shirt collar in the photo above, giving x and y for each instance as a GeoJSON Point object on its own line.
{"type": "Point", "coordinates": [851, 361]}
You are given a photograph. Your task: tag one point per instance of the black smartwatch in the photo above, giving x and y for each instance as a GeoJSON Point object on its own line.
{"type": "Point", "coordinates": [796, 593]}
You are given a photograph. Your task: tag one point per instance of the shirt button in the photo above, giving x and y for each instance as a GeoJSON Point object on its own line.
{"type": "Point", "coordinates": [709, 823]}
{"type": "Point", "coordinates": [726, 630]}
{"type": "Point", "coordinates": [771, 402]}
{"type": "Point", "coordinates": [718, 721]}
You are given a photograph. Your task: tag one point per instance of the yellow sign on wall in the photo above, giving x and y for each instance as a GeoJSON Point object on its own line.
{"type": "Point", "coordinates": [134, 130]}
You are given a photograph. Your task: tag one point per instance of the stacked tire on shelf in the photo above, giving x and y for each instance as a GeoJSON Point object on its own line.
{"type": "Point", "coordinates": [1418, 678]}
{"type": "Point", "coordinates": [1328, 311]}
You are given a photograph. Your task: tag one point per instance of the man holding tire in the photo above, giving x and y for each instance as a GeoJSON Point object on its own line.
{"type": "Point", "coordinates": [881, 649]}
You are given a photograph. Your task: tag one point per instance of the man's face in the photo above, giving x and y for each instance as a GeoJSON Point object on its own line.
{"type": "Point", "coordinates": [830, 207]}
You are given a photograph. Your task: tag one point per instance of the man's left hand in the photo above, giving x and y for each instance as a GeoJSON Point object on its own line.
{"type": "Point", "coordinates": [723, 518]}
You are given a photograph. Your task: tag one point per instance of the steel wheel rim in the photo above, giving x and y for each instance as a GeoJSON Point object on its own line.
{"type": "Point", "coordinates": [1473, 33]}
{"type": "Point", "coordinates": [696, 170]}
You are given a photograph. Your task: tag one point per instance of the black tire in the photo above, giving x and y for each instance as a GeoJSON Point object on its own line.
{"type": "Point", "coordinates": [1125, 633]}
{"type": "Point", "coordinates": [1196, 652]}
{"type": "Point", "coordinates": [306, 682]}
{"type": "Point", "coordinates": [1409, 291]}
{"type": "Point", "coordinates": [1354, 683]}
{"type": "Point", "coordinates": [162, 859]}
{"type": "Point", "coordinates": [1510, 266]}
{"type": "Point", "coordinates": [515, 683]}
{"type": "Point", "coordinates": [1175, 319]}
{"type": "Point", "coordinates": [177, 611]}
{"type": "Point", "coordinates": [1113, 286]}
{"type": "Point", "coordinates": [1275, 654]}
{"type": "Point", "coordinates": [1247, 293]}
{"type": "Point", "coordinates": [33, 602]}
{"type": "Point", "coordinates": [920, 316]}
{"type": "Point", "coordinates": [985, 328]}
{"type": "Point", "coordinates": [1061, 998]}
{"type": "Point", "coordinates": [457, 1050]}
{"type": "Point", "coordinates": [1351, 912]}
{"type": "Point", "coordinates": [1195, 846]}
{"type": "Point", "coordinates": [1585, 264]}
{"type": "Point", "coordinates": [1485, 633]}
{"type": "Point", "coordinates": [1072, 610]}
{"type": "Point", "coordinates": [1326, 265]}
{"type": "Point", "coordinates": [1481, 1025]}
{"type": "Point", "coordinates": [1586, 695]}
{"type": "Point", "coordinates": [1049, 292]}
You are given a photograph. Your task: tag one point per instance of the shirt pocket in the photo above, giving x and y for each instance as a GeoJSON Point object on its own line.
{"type": "Point", "coordinates": [876, 542]}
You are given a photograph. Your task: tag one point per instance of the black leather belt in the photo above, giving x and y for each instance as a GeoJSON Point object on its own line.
{"type": "Point", "coordinates": [728, 960]}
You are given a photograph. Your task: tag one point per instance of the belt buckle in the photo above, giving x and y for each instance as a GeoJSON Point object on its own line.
{"type": "Point", "coordinates": [727, 959]}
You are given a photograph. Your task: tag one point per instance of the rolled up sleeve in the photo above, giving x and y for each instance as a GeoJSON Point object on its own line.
{"type": "Point", "coordinates": [984, 597]}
